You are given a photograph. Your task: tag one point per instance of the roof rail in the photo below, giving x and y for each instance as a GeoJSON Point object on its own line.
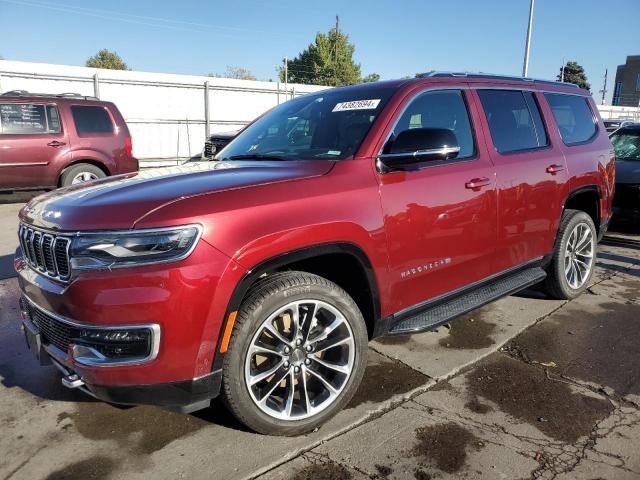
{"type": "Point", "coordinates": [493, 76]}
{"type": "Point", "coordinates": [25, 93]}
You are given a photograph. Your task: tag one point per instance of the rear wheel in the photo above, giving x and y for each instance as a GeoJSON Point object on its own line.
{"type": "Point", "coordinates": [574, 256]}
{"type": "Point", "coordinates": [297, 354]}
{"type": "Point", "coordinates": [80, 173]}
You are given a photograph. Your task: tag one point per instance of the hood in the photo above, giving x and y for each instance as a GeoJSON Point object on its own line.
{"type": "Point", "coordinates": [628, 171]}
{"type": "Point", "coordinates": [118, 202]}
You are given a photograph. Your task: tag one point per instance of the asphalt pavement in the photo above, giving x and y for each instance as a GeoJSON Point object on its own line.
{"type": "Point", "coordinates": [526, 387]}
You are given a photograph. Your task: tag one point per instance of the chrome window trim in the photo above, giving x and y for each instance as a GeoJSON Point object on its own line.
{"type": "Point", "coordinates": [153, 327]}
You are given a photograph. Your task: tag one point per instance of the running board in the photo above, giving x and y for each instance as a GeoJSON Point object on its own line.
{"type": "Point", "coordinates": [449, 308]}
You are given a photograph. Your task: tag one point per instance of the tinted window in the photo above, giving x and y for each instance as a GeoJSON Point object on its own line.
{"type": "Point", "coordinates": [573, 117]}
{"type": "Point", "coordinates": [514, 120]}
{"type": "Point", "coordinates": [440, 109]}
{"type": "Point", "coordinates": [91, 120]}
{"type": "Point", "coordinates": [25, 118]}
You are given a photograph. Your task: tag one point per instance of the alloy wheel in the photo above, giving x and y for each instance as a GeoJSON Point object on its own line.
{"type": "Point", "coordinates": [83, 177]}
{"type": "Point", "coordinates": [578, 255]}
{"type": "Point", "coordinates": [300, 360]}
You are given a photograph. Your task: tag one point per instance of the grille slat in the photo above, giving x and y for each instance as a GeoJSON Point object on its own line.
{"type": "Point", "coordinates": [208, 149]}
{"type": "Point", "coordinates": [46, 252]}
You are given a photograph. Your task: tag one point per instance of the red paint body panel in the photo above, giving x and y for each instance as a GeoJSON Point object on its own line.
{"type": "Point", "coordinates": [254, 211]}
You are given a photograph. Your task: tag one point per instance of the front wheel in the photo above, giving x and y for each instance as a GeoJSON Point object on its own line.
{"type": "Point", "coordinates": [574, 256]}
{"type": "Point", "coordinates": [297, 354]}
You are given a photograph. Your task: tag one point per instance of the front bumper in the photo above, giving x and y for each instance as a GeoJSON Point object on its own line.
{"type": "Point", "coordinates": [185, 300]}
{"type": "Point", "coordinates": [184, 396]}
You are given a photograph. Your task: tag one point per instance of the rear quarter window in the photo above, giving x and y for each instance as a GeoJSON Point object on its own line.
{"type": "Point", "coordinates": [573, 116]}
{"type": "Point", "coordinates": [90, 119]}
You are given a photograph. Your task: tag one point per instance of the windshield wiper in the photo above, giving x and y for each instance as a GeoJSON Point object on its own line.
{"type": "Point", "coordinates": [254, 156]}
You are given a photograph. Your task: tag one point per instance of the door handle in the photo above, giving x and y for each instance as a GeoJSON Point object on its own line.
{"type": "Point", "coordinates": [56, 144]}
{"type": "Point", "coordinates": [477, 183]}
{"type": "Point", "coordinates": [553, 169]}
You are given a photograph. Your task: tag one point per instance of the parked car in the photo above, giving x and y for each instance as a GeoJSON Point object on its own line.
{"type": "Point", "coordinates": [626, 201]}
{"type": "Point", "coordinates": [612, 124]}
{"type": "Point", "coordinates": [396, 207]}
{"type": "Point", "coordinates": [49, 141]}
{"type": "Point", "coordinates": [215, 143]}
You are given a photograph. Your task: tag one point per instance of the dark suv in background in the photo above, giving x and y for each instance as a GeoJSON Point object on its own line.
{"type": "Point", "coordinates": [626, 202]}
{"type": "Point", "coordinates": [48, 141]}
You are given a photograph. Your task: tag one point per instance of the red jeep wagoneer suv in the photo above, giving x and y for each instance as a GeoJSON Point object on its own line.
{"type": "Point", "coordinates": [337, 217]}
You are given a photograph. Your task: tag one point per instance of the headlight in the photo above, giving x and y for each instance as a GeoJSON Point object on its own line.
{"type": "Point", "coordinates": [132, 247]}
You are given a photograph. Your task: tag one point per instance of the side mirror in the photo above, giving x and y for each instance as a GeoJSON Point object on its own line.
{"type": "Point", "coordinates": [418, 145]}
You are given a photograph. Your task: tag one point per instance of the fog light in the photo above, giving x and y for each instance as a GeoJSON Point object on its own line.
{"type": "Point", "coordinates": [114, 344]}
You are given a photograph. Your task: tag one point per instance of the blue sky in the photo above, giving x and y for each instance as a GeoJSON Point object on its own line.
{"type": "Point", "coordinates": [392, 38]}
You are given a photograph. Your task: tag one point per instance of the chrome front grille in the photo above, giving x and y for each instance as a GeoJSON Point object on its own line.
{"type": "Point", "coordinates": [47, 253]}
{"type": "Point", "coordinates": [208, 149]}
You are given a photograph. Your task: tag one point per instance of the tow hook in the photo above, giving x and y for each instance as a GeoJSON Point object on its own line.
{"type": "Point", "coordinates": [72, 381]}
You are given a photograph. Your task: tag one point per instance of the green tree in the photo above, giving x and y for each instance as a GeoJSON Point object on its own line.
{"type": "Point", "coordinates": [238, 73]}
{"type": "Point", "coordinates": [372, 77]}
{"type": "Point", "coordinates": [574, 73]}
{"type": "Point", "coordinates": [327, 61]}
{"type": "Point", "coordinates": [106, 59]}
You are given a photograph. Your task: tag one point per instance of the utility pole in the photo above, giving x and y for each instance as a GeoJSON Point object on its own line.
{"type": "Point", "coordinates": [562, 70]}
{"type": "Point", "coordinates": [527, 48]}
{"type": "Point", "coordinates": [286, 76]}
{"type": "Point", "coordinates": [604, 88]}
{"type": "Point", "coordinates": [335, 51]}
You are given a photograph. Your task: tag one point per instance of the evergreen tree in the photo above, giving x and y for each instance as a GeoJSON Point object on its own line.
{"type": "Point", "coordinates": [574, 73]}
{"type": "Point", "coordinates": [327, 61]}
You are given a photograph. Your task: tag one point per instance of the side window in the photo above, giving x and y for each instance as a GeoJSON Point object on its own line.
{"type": "Point", "coordinates": [91, 119]}
{"type": "Point", "coordinates": [514, 120]}
{"type": "Point", "coordinates": [27, 118]}
{"type": "Point", "coordinates": [440, 109]}
{"type": "Point", "coordinates": [573, 116]}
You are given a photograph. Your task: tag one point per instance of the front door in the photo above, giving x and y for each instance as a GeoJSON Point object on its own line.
{"type": "Point", "coordinates": [440, 219]}
{"type": "Point", "coordinates": [31, 140]}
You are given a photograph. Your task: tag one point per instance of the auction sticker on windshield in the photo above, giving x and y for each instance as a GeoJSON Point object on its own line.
{"type": "Point", "coordinates": [357, 105]}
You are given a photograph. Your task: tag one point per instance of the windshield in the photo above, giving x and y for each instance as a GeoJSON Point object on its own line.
{"type": "Point", "coordinates": [627, 145]}
{"type": "Point", "coordinates": [329, 125]}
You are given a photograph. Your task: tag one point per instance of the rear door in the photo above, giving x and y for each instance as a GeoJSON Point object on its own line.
{"type": "Point", "coordinates": [32, 141]}
{"type": "Point", "coordinates": [441, 229]}
{"type": "Point", "coordinates": [531, 174]}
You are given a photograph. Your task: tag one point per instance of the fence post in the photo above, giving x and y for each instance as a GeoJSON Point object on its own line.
{"type": "Point", "coordinates": [96, 86]}
{"type": "Point", "coordinates": [207, 121]}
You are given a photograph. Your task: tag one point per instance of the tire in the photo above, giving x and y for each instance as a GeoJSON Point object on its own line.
{"type": "Point", "coordinates": [91, 172]}
{"type": "Point", "coordinates": [278, 295]}
{"type": "Point", "coordinates": [566, 286]}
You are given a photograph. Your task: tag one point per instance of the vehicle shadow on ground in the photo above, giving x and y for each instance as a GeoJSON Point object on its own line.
{"type": "Point", "coordinates": [18, 197]}
{"type": "Point", "coordinates": [6, 267]}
